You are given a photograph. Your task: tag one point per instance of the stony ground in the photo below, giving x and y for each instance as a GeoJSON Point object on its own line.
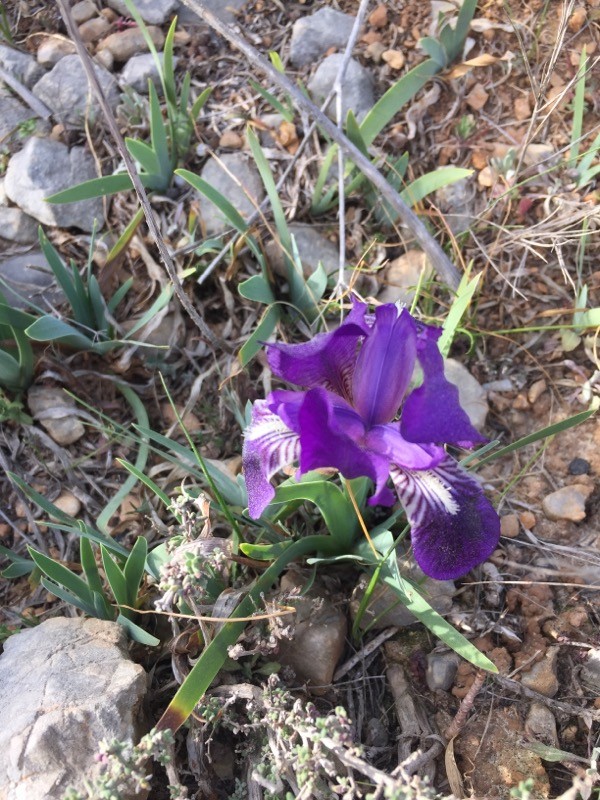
{"type": "Point", "coordinates": [521, 219]}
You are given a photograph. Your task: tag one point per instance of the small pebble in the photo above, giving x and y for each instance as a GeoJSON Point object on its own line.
{"type": "Point", "coordinates": [68, 504]}
{"type": "Point", "coordinates": [536, 390]}
{"type": "Point", "coordinates": [509, 526]}
{"type": "Point", "coordinates": [441, 671]}
{"type": "Point", "coordinates": [579, 466]}
{"type": "Point", "coordinates": [527, 519]}
{"type": "Point", "coordinates": [541, 725]}
{"type": "Point", "coordinates": [542, 676]}
{"type": "Point", "coordinates": [93, 29]}
{"type": "Point", "coordinates": [567, 503]}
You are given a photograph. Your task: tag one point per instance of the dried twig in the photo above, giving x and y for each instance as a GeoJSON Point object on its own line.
{"type": "Point", "coordinates": [133, 174]}
{"type": "Point", "coordinates": [439, 260]}
{"type": "Point", "coordinates": [369, 648]}
{"type": "Point", "coordinates": [34, 103]}
{"type": "Point", "coordinates": [557, 705]}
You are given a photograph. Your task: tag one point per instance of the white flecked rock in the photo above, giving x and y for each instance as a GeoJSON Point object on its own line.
{"type": "Point", "coordinates": [56, 412]}
{"type": "Point", "coordinates": [15, 226]}
{"type": "Point", "coordinates": [21, 66]}
{"type": "Point", "coordinates": [44, 167]}
{"type": "Point", "coordinates": [313, 35]}
{"type": "Point", "coordinates": [53, 49]}
{"type": "Point", "coordinates": [357, 86]}
{"type": "Point", "coordinates": [139, 69]}
{"type": "Point", "coordinates": [567, 503]}
{"type": "Point", "coordinates": [472, 396]}
{"type": "Point", "coordinates": [64, 686]}
{"type": "Point", "coordinates": [66, 92]}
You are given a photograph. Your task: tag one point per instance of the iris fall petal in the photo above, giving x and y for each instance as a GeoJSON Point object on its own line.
{"type": "Point", "coordinates": [454, 527]}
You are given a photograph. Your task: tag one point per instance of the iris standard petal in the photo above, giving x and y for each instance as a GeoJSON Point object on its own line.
{"type": "Point", "coordinates": [331, 436]}
{"type": "Point", "coordinates": [454, 526]}
{"type": "Point", "coordinates": [385, 365]}
{"type": "Point", "coordinates": [269, 445]}
{"type": "Point", "coordinates": [432, 412]}
{"type": "Point", "coordinates": [326, 360]}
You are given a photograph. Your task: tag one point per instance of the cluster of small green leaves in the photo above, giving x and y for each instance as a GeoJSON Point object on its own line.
{"type": "Point", "coordinates": [125, 767]}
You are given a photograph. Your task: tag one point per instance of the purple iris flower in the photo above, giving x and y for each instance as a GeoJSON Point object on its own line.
{"type": "Point", "coordinates": [360, 415]}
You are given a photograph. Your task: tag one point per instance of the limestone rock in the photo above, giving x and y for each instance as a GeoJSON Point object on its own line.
{"type": "Point", "coordinates": [441, 671]}
{"type": "Point", "coordinates": [56, 412]}
{"type": "Point", "coordinates": [541, 725]}
{"type": "Point", "coordinates": [13, 114]}
{"type": "Point", "coordinates": [94, 29]}
{"type": "Point", "coordinates": [21, 66]}
{"type": "Point", "coordinates": [238, 180]}
{"type": "Point", "coordinates": [15, 226]}
{"type": "Point", "coordinates": [44, 167]}
{"type": "Point", "coordinates": [125, 44]}
{"type": "Point", "coordinates": [542, 676]}
{"type": "Point", "coordinates": [402, 275]}
{"type": "Point", "coordinates": [567, 503]}
{"type": "Point", "coordinates": [64, 686]}
{"type": "Point", "coordinates": [29, 281]}
{"type": "Point", "coordinates": [357, 86]}
{"type": "Point", "coordinates": [313, 247]}
{"type": "Point", "coordinates": [66, 92]}
{"type": "Point", "coordinates": [319, 635]}
{"type": "Point", "coordinates": [314, 34]}
{"type": "Point", "coordinates": [153, 12]}
{"type": "Point", "coordinates": [53, 49]}
{"type": "Point", "coordinates": [472, 396]}
{"type": "Point", "coordinates": [138, 70]}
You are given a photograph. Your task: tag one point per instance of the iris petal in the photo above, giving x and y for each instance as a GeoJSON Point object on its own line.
{"type": "Point", "coordinates": [454, 527]}
{"type": "Point", "coordinates": [432, 413]}
{"type": "Point", "coordinates": [269, 445]}
{"type": "Point", "coordinates": [331, 432]}
{"type": "Point", "coordinates": [385, 365]}
{"type": "Point", "coordinates": [326, 360]}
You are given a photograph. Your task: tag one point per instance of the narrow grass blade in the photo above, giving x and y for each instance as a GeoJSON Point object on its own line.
{"type": "Point", "coordinates": [431, 182]}
{"type": "Point", "coordinates": [550, 430]}
{"type": "Point", "coordinates": [228, 210]}
{"type": "Point", "coordinates": [144, 155]}
{"type": "Point", "coordinates": [96, 187]}
{"type": "Point", "coordinates": [578, 109]}
{"type": "Point", "coordinates": [261, 333]}
{"type": "Point", "coordinates": [136, 633]}
{"type": "Point", "coordinates": [116, 579]}
{"type": "Point", "coordinates": [386, 108]}
{"type": "Point", "coordinates": [161, 301]}
{"type": "Point", "coordinates": [462, 300]}
{"type": "Point", "coordinates": [154, 487]}
{"type": "Point", "coordinates": [68, 597]}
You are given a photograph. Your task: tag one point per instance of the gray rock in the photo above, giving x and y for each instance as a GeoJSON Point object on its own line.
{"type": "Point", "coordinates": [31, 280]}
{"type": "Point", "coordinates": [44, 167]}
{"type": "Point", "coordinates": [357, 87]}
{"type": "Point", "coordinates": [472, 396]}
{"type": "Point", "coordinates": [313, 35]}
{"type": "Point", "coordinates": [567, 503]}
{"type": "Point", "coordinates": [441, 671]}
{"type": "Point", "coordinates": [313, 248]}
{"type": "Point", "coordinates": [66, 92]}
{"type": "Point", "coordinates": [319, 637]}
{"type": "Point", "coordinates": [402, 275]}
{"type": "Point", "coordinates": [55, 410]}
{"type": "Point", "coordinates": [15, 226]}
{"type": "Point", "coordinates": [385, 610]}
{"type": "Point", "coordinates": [64, 686]}
{"type": "Point", "coordinates": [238, 180]}
{"type": "Point", "coordinates": [541, 725]}
{"type": "Point", "coordinates": [53, 49]}
{"type": "Point", "coordinates": [542, 676]}
{"type": "Point", "coordinates": [21, 66]}
{"type": "Point", "coordinates": [13, 115]}
{"type": "Point", "coordinates": [153, 12]}
{"type": "Point", "coordinates": [138, 70]}
{"type": "Point", "coordinates": [226, 10]}
{"type": "Point", "coordinates": [457, 203]}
